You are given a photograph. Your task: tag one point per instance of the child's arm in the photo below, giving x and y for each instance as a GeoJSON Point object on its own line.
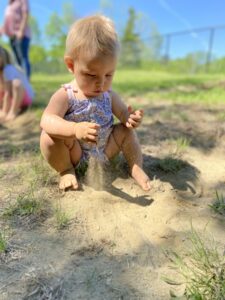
{"type": "Point", "coordinates": [127, 116]}
{"type": "Point", "coordinates": [52, 121]}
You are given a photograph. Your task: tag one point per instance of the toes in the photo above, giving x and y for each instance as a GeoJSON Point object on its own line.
{"type": "Point", "coordinates": [75, 185]}
{"type": "Point", "coordinates": [68, 184]}
{"type": "Point", "coordinates": [147, 185]}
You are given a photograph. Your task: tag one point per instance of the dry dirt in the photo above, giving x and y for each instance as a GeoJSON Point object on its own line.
{"type": "Point", "coordinates": [114, 245]}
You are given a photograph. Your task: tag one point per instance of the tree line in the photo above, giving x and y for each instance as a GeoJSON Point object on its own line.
{"type": "Point", "coordinates": [135, 51]}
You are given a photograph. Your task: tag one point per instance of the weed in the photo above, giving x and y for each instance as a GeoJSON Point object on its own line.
{"type": "Point", "coordinates": [219, 205]}
{"type": "Point", "coordinates": [25, 205]}
{"type": "Point", "coordinates": [181, 144]}
{"type": "Point", "coordinates": [3, 244]}
{"type": "Point", "coordinates": [2, 173]}
{"type": "Point", "coordinates": [62, 220]}
{"type": "Point", "coordinates": [171, 165]}
{"type": "Point", "coordinates": [203, 271]}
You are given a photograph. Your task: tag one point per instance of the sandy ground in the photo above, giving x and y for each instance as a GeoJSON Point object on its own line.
{"type": "Point", "coordinates": [114, 245]}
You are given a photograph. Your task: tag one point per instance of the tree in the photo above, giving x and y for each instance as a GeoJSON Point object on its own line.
{"type": "Point", "coordinates": [130, 41]}
{"type": "Point", "coordinates": [56, 31]}
{"type": "Point", "coordinates": [36, 33]}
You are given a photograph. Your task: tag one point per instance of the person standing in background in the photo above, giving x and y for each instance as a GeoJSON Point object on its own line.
{"type": "Point", "coordinates": [16, 27]}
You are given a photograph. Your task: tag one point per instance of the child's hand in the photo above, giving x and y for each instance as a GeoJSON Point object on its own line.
{"type": "Point", "coordinates": [87, 131]}
{"type": "Point", "coordinates": [134, 117]}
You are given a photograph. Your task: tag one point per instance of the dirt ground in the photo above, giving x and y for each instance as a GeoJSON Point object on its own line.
{"type": "Point", "coordinates": [114, 244]}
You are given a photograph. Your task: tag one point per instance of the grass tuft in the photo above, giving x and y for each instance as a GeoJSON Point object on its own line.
{"type": "Point", "coordinates": [182, 144]}
{"type": "Point", "coordinates": [170, 164]}
{"type": "Point", "coordinates": [26, 204]}
{"type": "Point", "coordinates": [219, 205]}
{"type": "Point", "coordinates": [62, 220]}
{"type": "Point", "coordinates": [202, 271]}
{"type": "Point", "coordinates": [3, 244]}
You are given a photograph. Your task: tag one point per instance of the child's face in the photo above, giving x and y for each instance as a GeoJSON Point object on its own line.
{"type": "Point", "coordinates": [95, 76]}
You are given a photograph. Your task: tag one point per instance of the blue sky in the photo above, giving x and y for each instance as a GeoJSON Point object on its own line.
{"type": "Point", "coordinates": [168, 15]}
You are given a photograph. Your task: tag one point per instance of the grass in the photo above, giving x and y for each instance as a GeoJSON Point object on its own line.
{"type": "Point", "coordinates": [202, 271]}
{"type": "Point", "coordinates": [62, 220]}
{"type": "Point", "coordinates": [219, 205]}
{"type": "Point", "coordinates": [152, 84]}
{"type": "Point", "coordinates": [170, 164]}
{"type": "Point", "coordinates": [3, 243]}
{"type": "Point", "coordinates": [181, 144]}
{"type": "Point", "coordinates": [39, 171]}
{"type": "Point", "coordinates": [26, 204]}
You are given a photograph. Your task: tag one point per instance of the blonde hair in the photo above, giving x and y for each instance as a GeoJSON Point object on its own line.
{"type": "Point", "coordinates": [92, 36]}
{"type": "Point", "coordinates": [5, 57]}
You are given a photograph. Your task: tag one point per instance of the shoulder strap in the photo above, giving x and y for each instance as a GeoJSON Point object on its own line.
{"type": "Point", "coordinates": [69, 90]}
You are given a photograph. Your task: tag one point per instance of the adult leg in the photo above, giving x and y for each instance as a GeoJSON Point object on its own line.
{"type": "Point", "coordinates": [62, 156]}
{"type": "Point", "coordinates": [125, 140]}
{"type": "Point", "coordinates": [25, 45]}
{"type": "Point", "coordinates": [16, 48]}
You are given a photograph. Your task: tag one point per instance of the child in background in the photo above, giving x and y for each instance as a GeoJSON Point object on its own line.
{"type": "Point", "coordinates": [78, 121]}
{"type": "Point", "coordinates": [15, 90]}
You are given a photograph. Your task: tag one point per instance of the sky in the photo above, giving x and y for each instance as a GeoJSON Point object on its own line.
{"type": "Point", "coordinates": [168, 15]}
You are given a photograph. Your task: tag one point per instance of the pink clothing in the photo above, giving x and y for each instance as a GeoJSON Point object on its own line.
{"type": "Point", "coordinates": [13, 18]}
{"type": "Point", "coordinates": [27, 101]}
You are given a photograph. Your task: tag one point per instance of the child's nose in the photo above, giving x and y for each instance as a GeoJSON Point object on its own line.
{"type": "Point", "coordinates": [100, 82]}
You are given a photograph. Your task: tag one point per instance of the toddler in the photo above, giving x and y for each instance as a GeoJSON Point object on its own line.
{"type": "Point", "coordinates": [78, 121]}
{"type": "Point", "coordinates": [15, 90]}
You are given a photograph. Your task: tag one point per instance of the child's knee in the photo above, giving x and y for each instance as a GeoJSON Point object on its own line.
{"type": "Point", "coordinates": [17, 84]}
{"type": "Point", "coordinates": [47, 141]}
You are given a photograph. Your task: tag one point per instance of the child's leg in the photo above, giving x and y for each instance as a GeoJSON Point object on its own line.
{"type": "Point", "coordinates": [126, 140]}
{"type": "Point", "coordinates": [62, 156]}
{"type": "Point", "coordinates": [17, 98]}
{"type": "Point", "coordinates": [5, 105]}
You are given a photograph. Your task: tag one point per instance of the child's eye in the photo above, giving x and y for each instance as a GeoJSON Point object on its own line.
{"type": "Point", "coordinates": [91, 75]}
{"type": "Point", "coordinates": [109, 75]}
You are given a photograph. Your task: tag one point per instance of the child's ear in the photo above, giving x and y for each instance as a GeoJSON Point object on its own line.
{"type": "Point", "coordinates": [69, 63]}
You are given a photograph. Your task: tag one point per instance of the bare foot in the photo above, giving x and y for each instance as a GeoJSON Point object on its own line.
{"type": "Point", "coordinates": [2, 116]}
{"type": "Point", "coordinates": [68, 180]}
{"type": "Point", "coordinates": [10, 117]}
{"type": "Point", "coordinates": [141, 178]}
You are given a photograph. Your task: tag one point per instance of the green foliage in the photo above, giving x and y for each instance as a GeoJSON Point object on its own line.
{"type": "Point", "coordinates": [38, 56]}
{"type": "Point", "coordinates": [130, 42]}
{"type": "Point", "coordinates": [219, 205]}
{"type": "Point", "coordinates": [202, 271]}
{"type": "Point", "coordinates": [181, 144]}
{"type": "Point", "coordinates": [36, 33]}
{"type": "Point", "coordinates": [55, 30]}
{"type": "Point", "coordinates": [62, 220]}
{"type": "Point", "coordinates": [3, 244]}
{"type": "Point", "coordinates": [26, 204]}
{"type": "Point", "coordinates": [169, 164]}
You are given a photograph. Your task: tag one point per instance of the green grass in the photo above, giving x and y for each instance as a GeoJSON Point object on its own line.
{"type": "Point", "coordinates": [202, 271]}
{"type": "Point", "coordinates": [25, 204]}
{"type": "Point", "coordinates": [181, 144]}
{"type": "Point", "coordinates": [171, 164]}
{"type": "Point", "coordinates": [153, 85]}
{"type": "Point", "coordinates": [62, 220]}
{"type": "Point", "coordinates": [3, 244]}
{"type": "Point", "coordinates": [219, 205]}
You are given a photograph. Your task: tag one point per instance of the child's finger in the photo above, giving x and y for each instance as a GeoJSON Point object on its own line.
{"type": "Point", "coordinates": [129, 108]}
{"type": "Point", "coordinates": [93, 132]}
{"type": "Point", "coordinates": [128, 125]}
{"type": "Point", "coordinates": [94, 125]}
